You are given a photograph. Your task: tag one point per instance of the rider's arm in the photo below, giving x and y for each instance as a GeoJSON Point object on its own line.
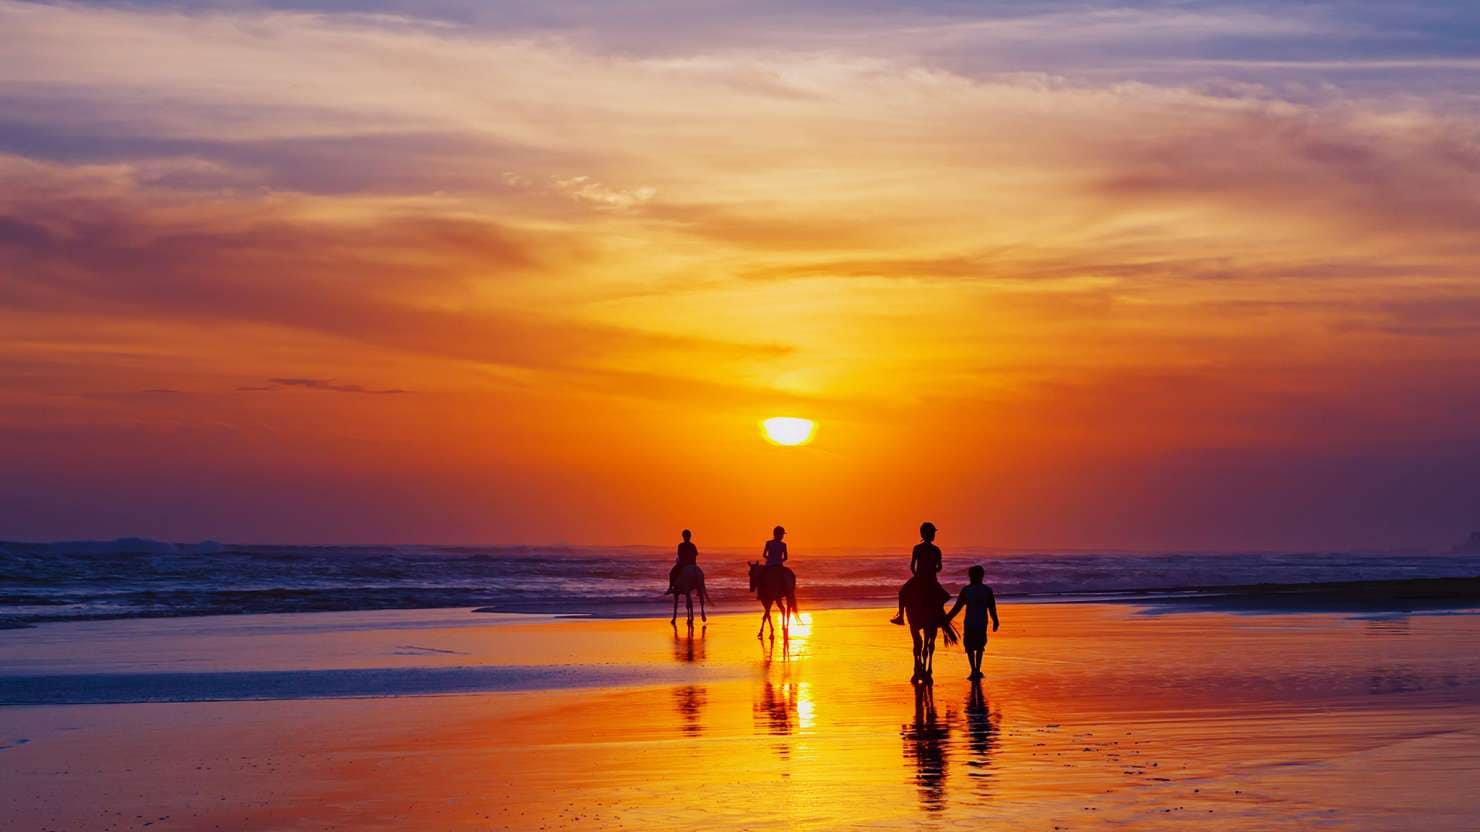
{"type": "Point", "coordinates": [784, 554]}
{"type": "Point", "coordinates": [992, 608]}
{"type": "Point", "coordinates": [914, 561]}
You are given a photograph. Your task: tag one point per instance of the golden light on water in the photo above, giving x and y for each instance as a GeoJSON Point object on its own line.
{"type": "Point", "coordinates": [788, 430]}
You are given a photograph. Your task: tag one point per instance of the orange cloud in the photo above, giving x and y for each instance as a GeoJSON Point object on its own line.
{"type": "Point", "coordinates": [1068, 294]}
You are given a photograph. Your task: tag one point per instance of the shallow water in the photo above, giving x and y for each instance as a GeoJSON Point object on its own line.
{"type": "Point", "coordinates": [1092, 716]}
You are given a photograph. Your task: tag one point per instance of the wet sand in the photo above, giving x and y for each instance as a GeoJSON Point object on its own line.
{"type": "Point", "coordinates": [1092, 716]}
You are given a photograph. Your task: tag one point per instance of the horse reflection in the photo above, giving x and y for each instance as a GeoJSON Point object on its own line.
{"type": "Point", "coordinates": [688, 700]}
{"type": "Point", "coordinates": [688, 703]}
{"type": "Point", "coordinates": [688, 649]}
{"type": "Point", "coordinates": [926, 740]}
{"type": "Point", "coordinates": [768, 649]}
{"type": "Point", "coordinates": [981, 734]}
{"type": "Point", "coordinates": [775, 711]}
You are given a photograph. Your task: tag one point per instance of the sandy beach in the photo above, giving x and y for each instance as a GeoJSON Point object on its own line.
{"type": "Point", "coordinates": [1092, 716]}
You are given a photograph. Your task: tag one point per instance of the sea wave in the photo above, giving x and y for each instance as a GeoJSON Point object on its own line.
{"type": "Point", "coordinates": [134, 577]}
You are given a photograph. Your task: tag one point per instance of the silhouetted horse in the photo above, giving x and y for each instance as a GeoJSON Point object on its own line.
{"type": "Point", "coordinates": [926, 742]}
{"type": "Point", "coordinates": [923, 611]}
{"type": "Point", "coordinates": [774, 585]}
{"type": "Point", "coordinates": [688, 582]}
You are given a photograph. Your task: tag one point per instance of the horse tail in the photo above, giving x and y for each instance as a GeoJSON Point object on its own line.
{"type": "Point", "coordinates": [791, 591]}
{"type": "Point", "coordinates": [703, 590]}
{"type": "Point", "coordinates": [948, 632]}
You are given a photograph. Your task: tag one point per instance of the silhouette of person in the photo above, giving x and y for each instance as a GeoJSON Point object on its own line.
{"type": "Point", "coordinates": [925, 566]}
{"type": "Point", "coordinates": [688, 553]}
{"type": "Point", "coordinates": [775, 551]}
{"type": "Point", "coordinates": [979, 601]}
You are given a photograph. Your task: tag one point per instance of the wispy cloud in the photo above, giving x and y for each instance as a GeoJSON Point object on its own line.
{"type": "Point", "coordinates": [324, 384]}
{"type": "Point", "coordinates": [1216, 226]}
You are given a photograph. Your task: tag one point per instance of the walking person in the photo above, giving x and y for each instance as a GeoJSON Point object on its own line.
{"type": "Point", "coordinates": [980, 602]}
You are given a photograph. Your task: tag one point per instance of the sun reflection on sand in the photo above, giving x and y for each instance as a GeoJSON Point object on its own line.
{"type": "Point", "coordinates": [801, 626]}
{"type": "Point", "coordinates": [806, 707]}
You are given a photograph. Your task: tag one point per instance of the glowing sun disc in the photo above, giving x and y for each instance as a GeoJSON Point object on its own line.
{"type": "Point", "coordinates": [788, 430]}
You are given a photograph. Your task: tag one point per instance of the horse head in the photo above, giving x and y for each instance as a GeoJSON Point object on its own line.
{"type": "Point", "coordinates": [755, 574]}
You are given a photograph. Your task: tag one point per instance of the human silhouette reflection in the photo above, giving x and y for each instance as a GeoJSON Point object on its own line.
{"type": "Point", "coordinates": [925, 744]}
{"type": "Point", "coordinates": [981, 733]}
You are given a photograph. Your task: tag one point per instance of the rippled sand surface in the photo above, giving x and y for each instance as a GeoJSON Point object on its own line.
{"type": "Point", "coordinates": [1092, 716]}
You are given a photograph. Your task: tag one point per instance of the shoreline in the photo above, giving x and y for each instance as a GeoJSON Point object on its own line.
{"type": "Point", "coordinates": [1373, 596]}
{"type": "Point", "coordinates": [1409, 595]}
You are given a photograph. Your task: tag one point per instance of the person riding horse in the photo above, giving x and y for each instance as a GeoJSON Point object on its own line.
{"type": "Point", "coordinates": [924, 582]}
{"type": "Point", "coordinates": [687, 579]}
{"type": "Point", "coordinates": [773, 581]}
{"type": "Point", "coordinates": [688, 555]}
{"type": "Point", "coordinates": [921, 601]}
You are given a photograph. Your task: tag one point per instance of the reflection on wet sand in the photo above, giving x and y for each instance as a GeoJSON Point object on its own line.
{"type": "Point", "coordinates": [1095, 716]}
{"type": "Point", "coordinates": [688, 648]}
{"type": "Point", "coordinates": [774, 711]}
{"type": "Point", "coordinates": [982, 724]}
{"type": "Point", "coordinates": [926, 743]}
{"type": "Point", "coordinates": [783, 704]}
{"type": "Point", "coordinates": [689, 700]}
{"type": "Point", "coordinates": [776, 708]}
{"type": "Point", "coordinates": [688, 703]}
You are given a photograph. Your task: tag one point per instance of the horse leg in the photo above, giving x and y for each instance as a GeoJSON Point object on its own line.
{"type": "Point", "coordinates": [929, 663]}
{"type": "Point", "coordinates": [765, 617]}
{"type": "Point", "coordinates": [688, 601]}
{"type": "Point", "coordinates": [703, 616]}
{"type": "Point", "coordinates": [918, 647]}
{"type": "Point", "coordinates": [674, 619]}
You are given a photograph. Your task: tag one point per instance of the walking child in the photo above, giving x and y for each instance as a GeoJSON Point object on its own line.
{"type": "Point", "coordinates": [979, 601]}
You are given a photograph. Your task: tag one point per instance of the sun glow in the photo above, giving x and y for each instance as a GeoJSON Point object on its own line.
{"type": "Point", "coordinates": [788, 430]}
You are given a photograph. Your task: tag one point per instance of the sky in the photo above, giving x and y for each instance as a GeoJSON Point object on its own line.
{"type": "Point", "coordinates": [1194, 275]}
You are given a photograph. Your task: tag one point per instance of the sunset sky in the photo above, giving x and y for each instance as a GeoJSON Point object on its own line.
{"type": "Point", "coordinates": [1161, 275]}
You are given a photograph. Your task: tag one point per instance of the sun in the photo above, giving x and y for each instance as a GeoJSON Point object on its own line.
{"type": "Point", "coordinates": [788, 430]}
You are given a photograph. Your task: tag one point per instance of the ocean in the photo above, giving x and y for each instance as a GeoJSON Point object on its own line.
{"type": "Point", "coordinates": [134, 578]}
